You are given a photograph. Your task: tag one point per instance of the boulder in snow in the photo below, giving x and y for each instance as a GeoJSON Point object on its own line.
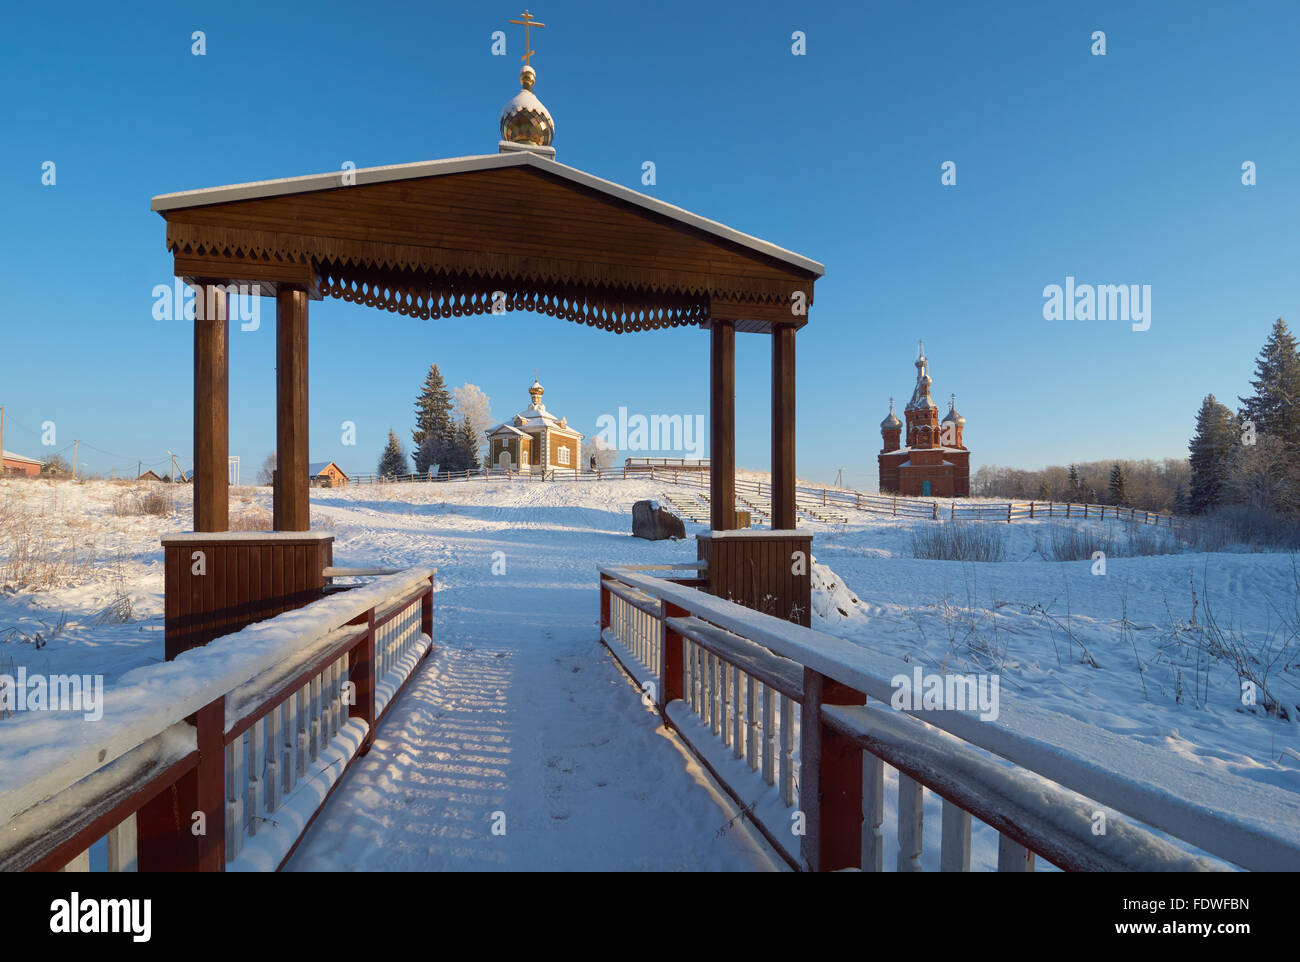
{"type": "Point", "coordinates": [653, 523]}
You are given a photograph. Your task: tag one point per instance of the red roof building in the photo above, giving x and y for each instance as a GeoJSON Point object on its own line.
{"type": "Point", "coordinates": [935, 462]}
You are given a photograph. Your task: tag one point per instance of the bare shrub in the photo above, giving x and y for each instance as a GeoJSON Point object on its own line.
{"type": "Point", "coordinates": [253, 519]}
{"type": "Point", "coordinates": [1241, 526]}
{"type": "Point", "coordinates": [959, 541]}
{"type": "Point", "coordinates": [152, 499]}
{"type": "Point", "coordinates": [30, 559]}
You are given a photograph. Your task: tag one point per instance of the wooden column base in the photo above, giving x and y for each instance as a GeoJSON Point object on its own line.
{"type": "Point", "coordinates": [769, 571]}
{"type": "Point", "coordinates": [216, 584]}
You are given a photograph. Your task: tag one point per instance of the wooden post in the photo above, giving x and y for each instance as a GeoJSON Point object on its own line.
{"type": "Point", "coordinates": [361, 672]}
{"type": "Point", "coordinates": [830, 779]}
{"type": "Point", "coordinates": [722, 426]}
{"type": "Point", "coordinates": [604, 605]}
{"type": "Point", "coordinates": [670, 657]}
{"type": "Point", "coordinates": [291, 499]}
{"type": "Point", "coordinates": [168, 826]}
{"type": "Point", "coordinates": [783, 413]}
{"type": "Point", "coordinates": [426, 612]}
{"type": "Point", "coordinates": [211, 410]}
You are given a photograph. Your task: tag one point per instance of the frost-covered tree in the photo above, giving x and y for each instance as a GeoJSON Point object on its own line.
{"type": "Point", "coordinates": [392, 463]}
{"type": "Point", "coordinates": [1211, 452]}
{"type": "Point", "coordinates": [473, 406]}
{"type": "Point", "coordinates": [606, 454]}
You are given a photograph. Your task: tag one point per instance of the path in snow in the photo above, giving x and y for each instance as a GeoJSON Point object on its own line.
{"type": "Point", "coordinates": [520, 710]}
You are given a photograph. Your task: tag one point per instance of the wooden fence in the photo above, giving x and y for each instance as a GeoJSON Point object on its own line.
{"type": "Point", "coordinates": [795, 724]}
{"type": "Point", "coordinates": [957, 509]}
{"type": "Point", "coordinates": [221, 758]}
{"type": "Point", "coordinates": [824, 504]}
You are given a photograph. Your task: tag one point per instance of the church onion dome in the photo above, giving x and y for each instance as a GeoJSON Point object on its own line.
{"type": "Point", "coordinates": [952, 415]}
{"type": "Point", "coordinates": [525, 119]}
{"type": "Point", "coordinates": [891, 423]}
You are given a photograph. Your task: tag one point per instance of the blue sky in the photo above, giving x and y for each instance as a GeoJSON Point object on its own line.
{"type": "Point", "coordinates": [1118, 169]}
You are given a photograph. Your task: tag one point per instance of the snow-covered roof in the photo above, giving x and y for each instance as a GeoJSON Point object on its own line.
{"type": "Point", "coordinates": [317, 467]}
{"type": "Point", "coordinates": [506, 429]}
{"type": "Point", "coordinates": [459, 165]}
{"type": "Point", "coordinates": [10, 456]}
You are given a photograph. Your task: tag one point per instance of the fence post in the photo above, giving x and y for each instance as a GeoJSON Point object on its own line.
{"type": "Point", "coordinates": [426, 612]}
{"type": "Point", "coordinates": [1009, 503]}
{"type": "Point", "coordinates": [361, 672]}
{"type": "Point", "coordinates": [1031, 509]}
{"type": "Point", "coordinates": [670, 656]}
{"type": "Point", "coordinates": [935, 510]}
{"type": "Point", "coordinates": [604, 603]}
{"type": "Point", "coordinates": [830, 779]}
{"type": "Point", "coordinates": [895, 511]}
{"type": "Point", "coordinates": [1085, 509]}
{"type": "Point", "coordinates": [166, 839]}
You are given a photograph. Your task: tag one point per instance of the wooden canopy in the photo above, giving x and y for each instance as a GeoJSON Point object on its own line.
{"type": "Point", "coordinates": [440, 238]}
{"type": "Point", "coordinates": [509, 231]}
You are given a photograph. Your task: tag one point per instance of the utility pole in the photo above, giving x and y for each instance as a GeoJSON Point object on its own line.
{"type": "Point", "coordinates": [839, 478]}
{"type": "Point", "coordinates": [76, 443]}
{"type": "Point", "coordinates": [138, 464]}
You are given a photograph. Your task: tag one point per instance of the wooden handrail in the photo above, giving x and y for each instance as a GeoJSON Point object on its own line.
{"type": "Point", "coordinates": [1252, 825]}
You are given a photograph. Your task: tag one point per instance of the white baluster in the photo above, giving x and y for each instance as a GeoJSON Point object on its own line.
{"type": "Point", "coordinates": [769, 736]}
{"type": "Point", "coordinates": [1013, 857]}
{"type": "Point", "coordinates": [954, 856]}
{"type": "Point", "coordinates": [751, 713]}
{"type": "Point", "coordinates": [256, 780]}
{"type": "Point", "coordinates": [335, 696]}
{"type": "Point", "coordinates": [787, 750]}
{"type": "Point", "coordinates": [728, 705]}
{"type": "Point", "coordinates": [873, 813]}
{"type": "Point", "coordinates": [236, 779]}
{"type": "Point", "coordinates": [79, 863]}
{"type": "Point", "coordinates": [313, 730]}
{"type": "Point", "coordinates": [289, 730]}
{"type": "Point", "coordinates": [274, 756]}
{"type": "Point", "coordinates": [122, 847]}
{"type": "Point", "coordinates": [910, 823]}
{"type": "Point", "coordinates": [738, 716]}
{"type": "Point", "coordinates": [302, 722]}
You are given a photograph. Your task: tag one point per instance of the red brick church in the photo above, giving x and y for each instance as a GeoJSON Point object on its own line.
{"type": "Point", "coordinates": [935, 462]}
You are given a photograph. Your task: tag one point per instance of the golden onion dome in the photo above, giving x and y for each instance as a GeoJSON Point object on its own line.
{"type": "Point", "coordinates": [525, 119]}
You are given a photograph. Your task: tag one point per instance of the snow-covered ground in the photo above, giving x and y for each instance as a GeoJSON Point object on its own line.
{"type": "Point", "coordinates": [522, 712]}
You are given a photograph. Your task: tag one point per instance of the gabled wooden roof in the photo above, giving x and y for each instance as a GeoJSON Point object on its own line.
{"type": "Point", "coordinates": [441, 237]}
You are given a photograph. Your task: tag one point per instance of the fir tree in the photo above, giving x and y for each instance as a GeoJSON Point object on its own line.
{"type": "Point", "coordinates": [1274, 408]}
{"type": "Point", "coordinates": [437, 452]}
{"type": "Point", "coordinates": [432, 420]}
{"type": "Point", "coordinates": [392, 463]}
{"type": "Point", "coordinates": [467, 443]}
{"type": "Point", "coordinates": [1076, 486]}
{"type": "Point", "coordinates": [1180, 500]}
{"type": "Point", "coordinates": [1211, 451]}
{"type": "Point", "coordinates": [1117, 486]}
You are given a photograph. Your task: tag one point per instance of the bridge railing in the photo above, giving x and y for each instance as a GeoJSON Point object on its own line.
{"type": "Point", "coordinates": [220, 758]}
{"type": "Point", "coordinates": [798, 726]}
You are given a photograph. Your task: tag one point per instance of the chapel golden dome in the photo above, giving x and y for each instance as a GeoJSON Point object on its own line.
{"type": "Point", "coordinates": [525, 119]}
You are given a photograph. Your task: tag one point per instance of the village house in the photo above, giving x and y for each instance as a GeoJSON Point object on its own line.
{"type": "Point", "coordinates": [326, 474]}
{"type": "Point", "coordinates": [11, 463]}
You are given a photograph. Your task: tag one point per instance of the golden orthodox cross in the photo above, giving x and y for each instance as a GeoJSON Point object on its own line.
{"type": "Point", "coordinates": [527, 23]}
